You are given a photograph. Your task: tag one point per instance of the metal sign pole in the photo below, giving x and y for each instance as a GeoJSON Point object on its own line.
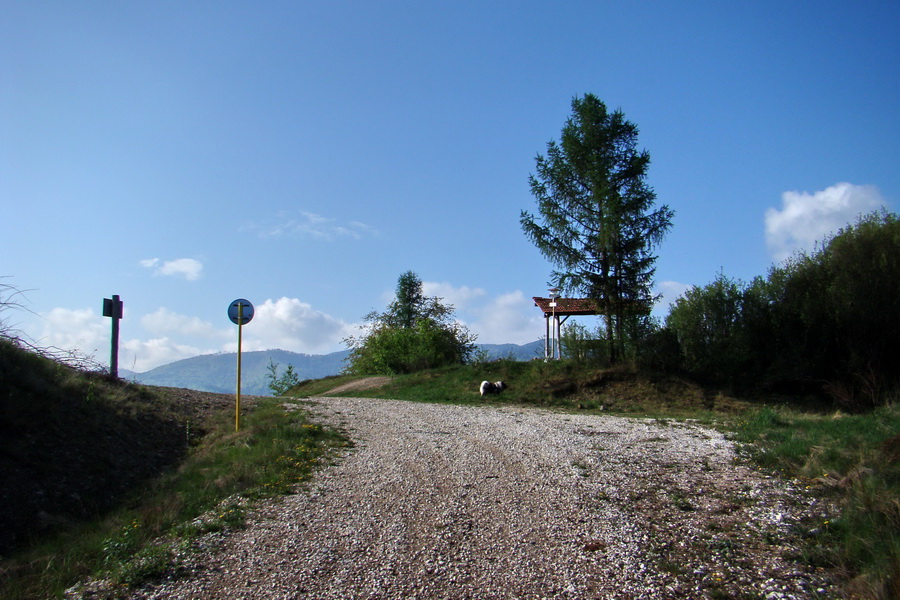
{"type": "Point", "coordinates": [237, 404]}
{"type": "Point", "coordinates": [240, 312]}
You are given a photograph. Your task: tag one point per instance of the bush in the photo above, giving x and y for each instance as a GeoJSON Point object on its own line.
{"type": "Point", "coordinates": [578, 344]}
{"type": "Point", "coordinates": [660, 351]}
{"type": "Point", "coordinates": [415, 333]}
{"type": "Point", "coordinates": [281, 384]}
{"type": "Point", "coordinates": [827, 321]}
{"type": "Point", "coordinates": [397, 350]}
{"type": "Point", "coordinates": [711, 332]}
{"type": "Point", "coordinates": [836, 313]}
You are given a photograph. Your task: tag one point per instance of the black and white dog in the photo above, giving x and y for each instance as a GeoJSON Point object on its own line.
{"type": "Point", "coordinates": [492, 388]}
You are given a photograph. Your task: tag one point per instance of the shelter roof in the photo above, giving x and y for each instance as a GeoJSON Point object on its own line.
{"type": "Point", "coordinates": [567, 306]}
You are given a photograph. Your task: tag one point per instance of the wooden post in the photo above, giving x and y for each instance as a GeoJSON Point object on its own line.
{"type": "Point", "coordinates": [547, 337]}
{"type": "Point", "coordinates": [555, 344]}
{"type": "Point", "coordinates": [557, 354]}
{"type": "Point", "coordinates": [112, 307]}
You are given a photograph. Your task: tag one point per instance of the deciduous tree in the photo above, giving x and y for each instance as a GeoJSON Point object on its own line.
{"type": "Point", "coordinates": [416, 332]}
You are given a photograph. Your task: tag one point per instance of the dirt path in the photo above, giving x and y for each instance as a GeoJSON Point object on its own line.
{"type": "Point", "coordinates": [367, 383]}
{"type": "Point", "coordinates": [440, 501]}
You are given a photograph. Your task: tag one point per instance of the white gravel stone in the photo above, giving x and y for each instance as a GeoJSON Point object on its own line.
{"type": "Point", "coordinates": [440, 501]}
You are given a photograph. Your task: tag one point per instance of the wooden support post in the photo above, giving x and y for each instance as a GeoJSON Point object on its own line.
{"type": "Point", "coordinates": [112, 307]}
{"type": "Point", "coordinates": [547, 337]}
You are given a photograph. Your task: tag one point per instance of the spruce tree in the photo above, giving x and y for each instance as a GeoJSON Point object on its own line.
{"type": "Point", "coordinates": [597, 221]}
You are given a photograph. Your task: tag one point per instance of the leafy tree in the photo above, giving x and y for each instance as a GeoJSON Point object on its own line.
{"type": "Point", "coordinates": [821, 321]}
{"type": "Point", "coordinates": [416, 332]}
{"type": "Point", "coordinates": [280, 385]}
{"type": "Point", "coordinates": [580, 344]}
{"type": "Point", "coordinates": [410, 303]}
{"type": "Point", "coordinates": [709, 325]}
{"type": "Point", "coordinates": [834, 313]}
{"type": "Point", "coordinates": [597, 223]}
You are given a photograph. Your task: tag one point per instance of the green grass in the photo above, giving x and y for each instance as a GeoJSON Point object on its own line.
{"type": "Point", "coordinates": [856, 460]}
{"type": "Point", "coordinates": [560, 384]}
{"type": "Point", "coordinates": [451, 384]}
{"type": "Point", "coordinates": [852, 459]}
{"type": "Point", "coordinates": [274, 451]}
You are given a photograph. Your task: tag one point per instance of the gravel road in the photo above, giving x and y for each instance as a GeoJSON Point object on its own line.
{"type": "Point", "coordinates": [439, 501]}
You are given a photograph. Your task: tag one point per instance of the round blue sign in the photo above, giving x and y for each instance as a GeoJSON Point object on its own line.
{"type": "Point", "coordinates": [240, 311]}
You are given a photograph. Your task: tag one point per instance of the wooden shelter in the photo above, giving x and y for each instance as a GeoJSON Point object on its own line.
{"type": "Point", "coordinates": [556, 308]}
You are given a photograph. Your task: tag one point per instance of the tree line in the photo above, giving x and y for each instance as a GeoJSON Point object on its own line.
{"type": "Point", "coordinates": [826, 321]}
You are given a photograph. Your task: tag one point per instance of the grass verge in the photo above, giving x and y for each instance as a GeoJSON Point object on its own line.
{"type": "Point", "coordinates": [561, 384]}
{"type": "Point", "coordinates": [856, 460]}
{"type": "Point", "coordinates": [275, 450]}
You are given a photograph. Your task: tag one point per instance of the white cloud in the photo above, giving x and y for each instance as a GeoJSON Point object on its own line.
{"type": "Point", "coordinates": [189, 268]}
{"type": "Point", "coordinates": [143, 355]}
{"type": "Point", "coordinates": [670, 291]}
{"type": "Point", "coordinates": [509, 318]}
{"type": "Point", "coordinates": [89, 334]}
{"type": "Point", "coordinates": [805, 218]}
{"type": "Point", "coordinates": [289, 324]}
{"type": "Point", "coordinates": [164, 321]}
{"type": "Point", "coordinates": [80, 330]}
{"type": "Point", "coordinates": [308, 225]}
{"type": "Point", "coordinates": [458, 297]}
{"type": "Point", "coordinates": [285, 323]}
{"type": "Point", "coordinates": [175, 337]}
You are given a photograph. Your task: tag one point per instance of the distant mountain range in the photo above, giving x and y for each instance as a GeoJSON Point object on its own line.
{"type": "Point", "coordinates": [217, 372]}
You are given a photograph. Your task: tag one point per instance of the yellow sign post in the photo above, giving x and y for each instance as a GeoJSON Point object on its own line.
{"type": "Point", "coordinates": [240, 312]}
{"type": "Point", "coordinates": [237, 402]}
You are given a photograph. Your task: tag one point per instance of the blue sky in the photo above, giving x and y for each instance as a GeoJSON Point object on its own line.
{"type": "Point", "coordinates": [303, 155]}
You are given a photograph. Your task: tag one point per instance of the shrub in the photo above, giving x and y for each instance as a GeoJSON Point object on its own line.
{"type": "Point", "coordinates": [829, 320]}
{"type": "Point", "coordinates": [836, 313]}
{"type": "Point", "coordinates": [711, 332]}
{"type": "Point", "coordinates": [415, 333]}
{"type": "Point", "coordinates": [280, 384]}
{"type": "Point", "coordinates": [577, 343]}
